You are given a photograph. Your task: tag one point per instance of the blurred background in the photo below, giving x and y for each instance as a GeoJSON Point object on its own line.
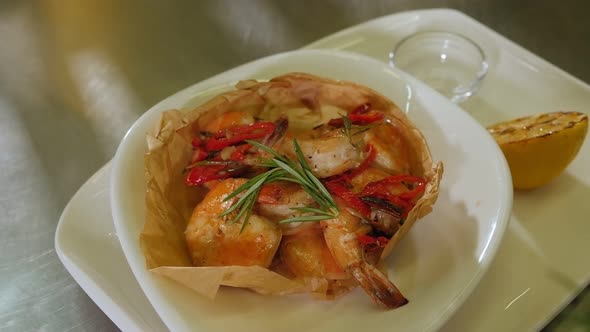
{"type": "Point", "coordinates": [74, 75]}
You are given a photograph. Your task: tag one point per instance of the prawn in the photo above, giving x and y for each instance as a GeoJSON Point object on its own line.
{"type": "Point", "coordinates": [307, 257]}
{"type": "Point", "coordinates": [342, 241]}
{"type": "Point", "coordinates": [216, 241]}
{"type": "Point", "coordinates": [380, 220]}
{"type": "Point", "coordinates": [392, 150]}
{"type": "Point", "coordinates": [327, 151]}
{"type": "Point", "coordinates": [278, 201]}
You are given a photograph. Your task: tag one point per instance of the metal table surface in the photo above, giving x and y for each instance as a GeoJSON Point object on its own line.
{"type": "Point", "coordinates": [75, 74]}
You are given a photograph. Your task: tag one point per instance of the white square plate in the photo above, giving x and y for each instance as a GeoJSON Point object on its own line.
{"type": "Point", "coordinates": [538, 268]}
{"type": "Point", "coordinates": [542, 263]}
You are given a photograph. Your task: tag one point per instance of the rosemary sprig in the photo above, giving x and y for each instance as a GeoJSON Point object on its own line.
{"type": "Point", "coordinates": [313, 215]}
{"type": "Point", "coordinates": [350, 130]}
{"type": "Point", "coordinates": [283, 169]}
{"type": "Point", "coordinates": [212, 163]}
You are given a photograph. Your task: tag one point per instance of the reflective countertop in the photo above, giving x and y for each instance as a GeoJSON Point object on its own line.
{"type": "Point", "coordinates": [74, 75]}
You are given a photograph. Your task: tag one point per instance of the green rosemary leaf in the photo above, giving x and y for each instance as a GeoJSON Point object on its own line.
{"type": "Point", "coordinates": [243, 209]}
{"type": "Point", "coordinates": [303, 181]}
{"type": "Point", "coordinates": [300, 156]}
{"type": "Point", "coordinates": [361, 129]}
{"type": "Point", "coordinates": [349, 129]}
{"type": "Point", "coordinates": [249, 208]}
{"type": "Point", "coordinates": [312, 218]}
{"type": "Point", "coordinates": [310, 209]}
{"type": "Point", "coordinates": [346, 130]}
{"type": "Point", "coordinates": [247, 185]}
{"type": "Point", "coordinates": [267, 149]}
{"type": "Point", "coordinates": [267, 164]}
{"type": "Point", "coordinates": [251, 189]}
{"type": "Point", "coordinates": [322, 189]}
{"type": "Point", "coordinates": [283, 169]}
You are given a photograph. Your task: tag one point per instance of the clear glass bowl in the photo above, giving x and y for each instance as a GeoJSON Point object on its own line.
{"type": "Point", "coordinates": [450, 63]}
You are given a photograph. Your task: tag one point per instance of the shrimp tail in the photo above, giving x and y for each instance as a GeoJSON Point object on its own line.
{"type": "Point", "coordinates": [281, 125]}
{"type": "Point", "coordinates": [381, 289]}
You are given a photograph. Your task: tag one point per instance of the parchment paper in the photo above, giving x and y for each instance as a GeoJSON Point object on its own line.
{"type": "Point", "coordinates": [170, 202]}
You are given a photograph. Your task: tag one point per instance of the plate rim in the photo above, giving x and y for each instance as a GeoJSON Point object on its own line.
{"type": "Point", "coordinates": [99, 296]}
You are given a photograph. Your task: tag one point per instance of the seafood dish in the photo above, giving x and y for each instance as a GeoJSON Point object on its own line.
{"type": "Point", "coordinates": [298, 184]}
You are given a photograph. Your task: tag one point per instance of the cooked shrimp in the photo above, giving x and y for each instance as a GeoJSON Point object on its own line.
{"type": "Point", "coordinates": [307, 258]}
{"type": "Point", "coordinates": [371, 174]}
{"type": "Point", "coordinates": [328, 152]}
{"type": "Point", "coordinates": [393, 153]}
{"type": "Point", "coordinates": [306, 255]}
{"type": "Point", "coordinates": [380, 220]}
{"type": "Point", "coordinates": [217, 241]}
{"type": "Point", "coordinates": [277, 200]}
{"type": "Point", "coordinates": [342, 240]}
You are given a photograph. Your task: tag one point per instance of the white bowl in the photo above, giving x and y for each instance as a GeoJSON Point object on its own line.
{"type": "Point", "coordinates": [436, 265]}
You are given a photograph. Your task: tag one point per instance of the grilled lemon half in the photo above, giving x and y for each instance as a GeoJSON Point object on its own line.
{"type": "Point", "coordinates": [539, 147]}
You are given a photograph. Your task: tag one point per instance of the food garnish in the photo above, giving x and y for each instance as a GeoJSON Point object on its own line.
{"type": "Point", "coordinates": [539, 147]}
{"type": "Point", "coordinates": [297, 184]}
{"type": "Point", "coordinates": [358, 121]}
{"type": "Point", "coordinates": [284, 169]}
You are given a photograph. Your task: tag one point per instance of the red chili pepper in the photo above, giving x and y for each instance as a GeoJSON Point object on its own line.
{"type": "Point", "coordinates": [365, 119]}
{"type": "Point", "coordinates": [410, 195]}
{"type": "Point", "coordinates": [234, 135]}
{"type": "Point", "coordinates": [244, 129]}
{"type": "Point", "coordinates": [372, 243]}
{"type": "Point", "coordinates": [371, 155]}
{"type": "Point", "coordinates": [380, 189]}
{"type": "Point", "coordinates": [338, 187]}
{"type": "Point", "coordinates": [381, 185]}
{"type": "Point", "coordinates": [395, 179]}
{"type": "Point", "coordinates": [197, 142]}
{"type": "Point", "coordinates": [405, 205]}
{"type": "Point", "coordinates": [358, 119]}
{"type": "Point", "coordinates": [202, 174]}
{"type": "Point", "coordinates": [361, 109]}
{"type": "Point", "coordinates": [361, 115]}
{"type": "Point", "coordinates": [366, 240]}
{"type": "Point", "coordinates": [336, 122]}
{"type": "Point", "coordinates": [240, 152]}
{"type": "Point", "coordinates": [382, 241]}
{"type": "Point", "coordinates": [198, 155]}
{"type": "Point", "coordinates": [373, 188]}
{"type": "Point", "coordinates": [404, 201]}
